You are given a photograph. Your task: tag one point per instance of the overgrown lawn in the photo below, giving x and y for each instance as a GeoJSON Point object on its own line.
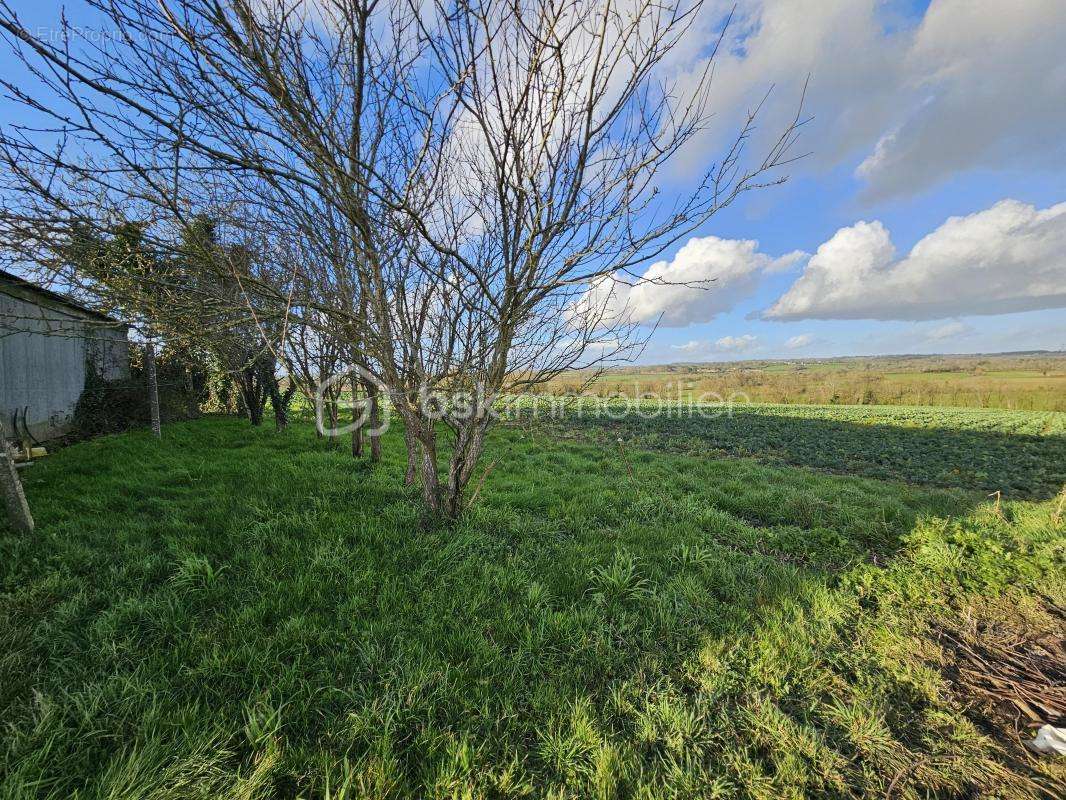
{"type": "Point", "coordinates": [245, 613]}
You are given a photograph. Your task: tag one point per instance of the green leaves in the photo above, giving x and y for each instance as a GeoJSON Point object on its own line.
{"type": "Point", "coordinates": [618, 582]}
{"type": "Point", "coordinates": [1021, 453]}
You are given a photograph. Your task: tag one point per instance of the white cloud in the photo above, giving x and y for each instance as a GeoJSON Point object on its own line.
{"type": "Point", "coordinates": [727, 344]}
{"type": "Point", "coordinates": [987, 82]}
{"type": "Point", "coordinates": [913, 99]}
{"type": "Point", "coordinates": [1011, 257]}
{"type": "Point", "coordinates": [690, 346]}
{"type": "Point", "coordinates": [949, 330]}
{"type": "Point", "coordinates": [706, 277]}
{"type": "Point", "coordinates": [779, 43]}
{"type": "Point", "coordinates": [800, 341]}
{"type": "Point", "coordinates": [736, 344]}
{"type": "Point", "coordinates": [787, 261]}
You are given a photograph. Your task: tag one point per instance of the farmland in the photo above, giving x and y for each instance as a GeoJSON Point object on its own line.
{"type": "Point", "coordinates": [241, 612]}
{"type": "Point", "coordinates": [1019, 453]}
{"type": "Point", "coordinates": [1034, 382]}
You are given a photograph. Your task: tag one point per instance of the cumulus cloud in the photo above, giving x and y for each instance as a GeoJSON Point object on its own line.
{"type": "Point", "coordinates": [787, 261]}
{"type": "Point", "coordinates": [707, 277]}
{"type": "Point", "coordinates": [1011, 257]}
{"type": "Point", "coordinates": [779, 44]}
{"type": "Point", "coordinates": [986, 83]}
{"type": "Point", "coordinates": [913, 100]}
{"type": "Point", "coordinates": [800, 341]}
{"type": "Point", "coordinates": [737, 344]}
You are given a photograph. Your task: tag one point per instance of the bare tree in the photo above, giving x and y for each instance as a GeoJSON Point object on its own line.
{"type": "Point", "coordinates": [549, 196]}
{"type": "Point", "coordinates": [471, 177]}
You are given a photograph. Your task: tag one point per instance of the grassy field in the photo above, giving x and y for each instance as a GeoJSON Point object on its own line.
{"type": "Point", "coordinates": [241, 613]}
{"type": "Point", "coordinates": [1034, 382]}
{"type": "Point", "coordinates": [1021, 454]}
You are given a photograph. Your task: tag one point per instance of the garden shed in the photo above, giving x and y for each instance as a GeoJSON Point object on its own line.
{"type": "Point", "coordinates": [48, 345]}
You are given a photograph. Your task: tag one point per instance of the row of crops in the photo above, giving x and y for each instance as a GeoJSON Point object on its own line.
{"type": "Point", "coordinates": [1022, 454]}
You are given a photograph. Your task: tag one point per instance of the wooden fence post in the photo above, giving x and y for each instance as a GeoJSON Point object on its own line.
{"type": "Point", "coordinates": [153, 384]}
{"type": "Point", "coordinates": [18, 511]}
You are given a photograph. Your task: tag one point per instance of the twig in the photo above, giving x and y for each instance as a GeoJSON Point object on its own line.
{"type": "Point", "coordinates": [1056, 518]}
{"type": "Point", "coordinates": [998, 494]}
{"type": "Point", "coordinates": [481, 482]}
{"type": "Point", "coordinates": [625, 459]}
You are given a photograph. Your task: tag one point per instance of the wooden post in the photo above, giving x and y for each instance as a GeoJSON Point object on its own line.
{"type": "Point", "coordinates": [153, 385]}
{"type": "Point", "coordinates": [18, 510]}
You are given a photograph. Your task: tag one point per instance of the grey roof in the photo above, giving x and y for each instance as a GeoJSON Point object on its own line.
{"type": "Point", "coordinates": [9, 281]}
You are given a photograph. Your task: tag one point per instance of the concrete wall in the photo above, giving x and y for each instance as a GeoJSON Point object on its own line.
{"type": "Point", "coordinates": [43, 352]}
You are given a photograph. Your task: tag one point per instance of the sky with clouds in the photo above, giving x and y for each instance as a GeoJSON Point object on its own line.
{"type": "Point", "coordinates": [930, 213]}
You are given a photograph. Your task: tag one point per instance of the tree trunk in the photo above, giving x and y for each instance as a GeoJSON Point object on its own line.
{"type": "Point", "coordinates": [411, 444]}
{"type": "Point", "coordinates": [330, 417]}
{"type": "Point", "coordinates": [333, 407]}
{"type": "Point", "coordinates": [312, 401]}
{"type": "Point", "coordinates": [442, 500]}
{"type": "Point", "coordinates": [153, 386]}
{"type": "Point", "coordinates": [192, 403]}
{"type": "Point", "coordinates": [357, 430]}
{"type": "Point", "coordinates": [431, 488]}
{"type": "Point", "coordinates": [18, 510]}
{"type": "Point", "coordinates": [280, 401]}
{"type": "Point", "coordinates": [252, 395]}
{"type": "Point", "coordinates": [239, 401]}
{"type": "Point", "coordinates": [372, 393]}
{"type": "Point", "coordinates": [468, 446]}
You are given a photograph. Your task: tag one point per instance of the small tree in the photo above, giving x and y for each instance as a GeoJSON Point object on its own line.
{"type": "Point", "coordinates": [474, 179]}
{"type": "Point", "coordinates": [124, 273]}
{"type": "Point", "coordinates": [561, 119]}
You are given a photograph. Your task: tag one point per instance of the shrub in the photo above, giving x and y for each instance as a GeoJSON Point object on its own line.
{"type": "Point", "coordinates": [187, 387]}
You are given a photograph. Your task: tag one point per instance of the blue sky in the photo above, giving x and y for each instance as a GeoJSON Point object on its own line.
{"type": "Point", "coordinates": [921, 112]}
{"type": "Point", "coordinates": [943, 53]}
{"type": "Point", "coordinates": [808, 211]}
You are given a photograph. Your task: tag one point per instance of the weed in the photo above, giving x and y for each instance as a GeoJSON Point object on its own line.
{"type": "Point", "coordinates": [618, 582]}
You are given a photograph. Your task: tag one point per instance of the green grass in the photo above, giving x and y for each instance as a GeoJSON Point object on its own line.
{"type": "Point", "coordinates": [1035, 382]}
{"type": "Point", "coordinates": [243, 613]}
{"type": "Point", "coordinates": [1021, 453]}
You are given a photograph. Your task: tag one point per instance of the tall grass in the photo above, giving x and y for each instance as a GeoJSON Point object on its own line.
{"type": "Point", "coordinates": [246, 613]}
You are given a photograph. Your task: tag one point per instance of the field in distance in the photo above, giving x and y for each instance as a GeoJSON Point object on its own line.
{"type": "Point", "coordinates": [1031, 381]}
{"type": "Point", "coordinates": [1020, 453]}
